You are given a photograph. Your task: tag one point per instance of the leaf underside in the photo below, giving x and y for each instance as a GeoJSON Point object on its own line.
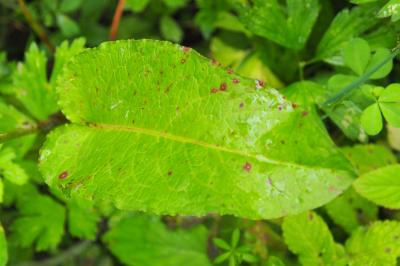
{"type": "Point", "coordinates": [159, 128]}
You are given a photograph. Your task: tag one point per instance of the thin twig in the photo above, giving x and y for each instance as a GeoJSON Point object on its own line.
{"type": "Point", "coordinates": [43, 126]}
{"type": "Point", "coordinates": [68, 254]}
{"type": "Point", "coordinates": [116, 19]}
{"type": "Point", "coordinates": [37, 28]}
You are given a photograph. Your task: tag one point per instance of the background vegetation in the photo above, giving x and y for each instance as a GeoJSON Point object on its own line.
{"type": "Point", "coordinates": [335, 60]}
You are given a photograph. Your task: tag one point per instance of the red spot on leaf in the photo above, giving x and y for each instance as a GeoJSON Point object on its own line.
{"type": "Point", "coordinates": [63, 175]}
{"type": "Point", "coordinates": [331, 189]}
{"type": "Point", "coordinates": [214, 90]}
{"type": "Point", "coordinates": [235, 81]}
{"type": "Point", "coordinates": [280, 107]}
{"type": "Point", "coordinates": [304, 113]}
{"type": "Point", "coordinates": [229, 71]}
{"type": "Point", "coordinates": [186, 49]}
{"type": "Point", "coordinates": [215, 62]}
{"type": "Point", "coordinates": [223, 87]}
{"type": "Point", "coordinates": [247, 167]}
{"type": "Point", "coordinates": [259, 84]}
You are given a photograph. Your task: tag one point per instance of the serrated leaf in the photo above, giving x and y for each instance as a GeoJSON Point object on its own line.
{"type": "Point", "coordinates": [356, 55]}
{"type": "Point", "coordinates": [381, 186]}
{"type": "Point", "coordinates": [143, 240]}
{"type": "Point", "coordinates": [377, 244]}
{"type": "Point", "coordinates": [379, 56]}
{"type": "Point", "coordinates": [9, 169]}
{"type": "Point", "coordinates": [31, 86]}
{"type": "Point", "coordinates": [164, 130]}
{"type": "Point", "coordinates": [308, 236]}
{"type": "Point", "coordinates": [41, 221]}
{"type": "Point", "coordinates": [346, 25]}
{"type": "Point", "coordinates": [289, 26]}
{"type": "Point", "coordinates": [63, 53]}
{"type": "Point", "coordinates": [371, 119]}
{"type": "Point", "coordinates": [350, 210]}
{"type": "Point", "coordinates": [369, 157]}
{"type": "Point", "coordinates": [3, 248]}
{"type": "Point", "coordinates": [392, 8]}
{"type": "Point", "coordinates": [82, 219]}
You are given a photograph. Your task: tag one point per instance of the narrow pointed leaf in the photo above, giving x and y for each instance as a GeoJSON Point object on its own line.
{"type": "Point", "coordinates": [157, 127]}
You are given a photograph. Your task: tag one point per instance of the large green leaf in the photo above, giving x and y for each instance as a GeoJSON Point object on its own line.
{"type": "Point", "coordinates": [159, 128]}
{"type": "Point", "coordinates": [3, 248]}
{"type": "Point", "coordinates": [144, 240]}
{"type": "Point", "coordinates": [381, 186]}
{"type": "Point", "coordinates": [378, 244]}
{"type": "Point", "coordinates": [308, 236]}
{"type": "Point", "coordinates": [288, 26]}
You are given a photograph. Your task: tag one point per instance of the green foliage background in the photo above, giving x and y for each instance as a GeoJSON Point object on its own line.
{"type": "Point", "coordinates": [267, 134]}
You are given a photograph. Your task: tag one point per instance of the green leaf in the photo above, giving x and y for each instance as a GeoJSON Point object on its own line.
{"type": "Point", "coordinates": [367, 158]}
{"type": "Point", "coordinates": [228, 150]}
{"type": "Point", "coordinates": [9, 169]}
{"type": "Point", "coordinates": [381, 186]}
{"type": "Point", "coordinates": [69, 5]}
{"type": "Point", "coordinates": [176, 3]}
{"type": "Point", "coordinates": [371, 119]}
{"type": "Point", "coordinates": [274, 261]}
{"type": "Point", "coordinates": [391, 94]}
{"type": "Point", "coordinates": [392, 8]}
{"type": "Point", "coordinates": [379, 56]}
{"type": "Point", "coordinates": [31, 86]}
{"type": "Point", "coordinates": [221, 243]}
{"type": "Point", "coordinates": [144, 240]}
{"type": "Point", "coordinates": [350, 210]}
{"type": "Point", "coordinates": [41, 221]}
{"type": "Point", "coordinates": [170, 29]}
{"type": "Point", "coordinates": [3, 248]}
{"type": "Point", "coordinates": [345, 26]}
{"type": "Point", "coordinates": [308, 236]}
{"type": "Point", "coordinates": [356, 55]}
{"type": "Point", "coordinates": [378, 244]}
{"type": "Point", "coordinates": [289, 26]}
{"type": "Point", "coordinates": [82, 219]}
{"type": "Point", "coordinates": [391, 112]}
{"type": "Point", "coordinates": [393, 137]}
{"type": "Point", "coordinates": [64, 52]}
{"type": "Point", "coordinates": [68, 26]}
{"type": "Point", "coordinates": [1, 190]}
{"type": "Point", "coordinates": [136, 5]}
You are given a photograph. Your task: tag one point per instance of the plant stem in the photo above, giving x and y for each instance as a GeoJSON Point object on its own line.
{"type": "Point", "coordinates": [68, 254]}
{"type": "Point", "coordinates": [43, 126]}
{"type": "Point", "coordinates": [37, 28]}
{"type": "Point", "coordinates": [116, 19]}
{"type": "Point", "coordinates": [338, 96]}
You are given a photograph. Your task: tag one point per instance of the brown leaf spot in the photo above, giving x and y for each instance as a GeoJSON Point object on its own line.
{"type": "Point", "coordinates": [304, 113]}
{"type": "Point", "coordinates": [186, 49]}
{"type": "Point", "coordinates": [214, 90]}
{"type": "Point", "coordinates": [183, 61]}
{"type": "Point", "coordinates": [169, 173]}
{"type": "Point", "coordinates": [310, 216]}
{"type": "Point", "coordinates": [235, 81]}
{"type": "Point", "coordinates": [63, 175]}
{"type": "Point", "coordinates": [223, 87]}
{"type": "Point", "coordinates": [247, 167]}
{"type": "Point", "coordinates": [229, 71]}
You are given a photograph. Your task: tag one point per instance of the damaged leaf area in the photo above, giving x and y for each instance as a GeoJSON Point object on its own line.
{"type": "Point", "coordinates": [156, 127]}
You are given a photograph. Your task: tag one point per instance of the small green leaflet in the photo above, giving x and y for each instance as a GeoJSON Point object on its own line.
{"type": "Point", "coordinates": [3, 248]}
{"type": "Point", "coordinates": [165, 130]}
{"type": "Point", "coordinates": [308, 236]}
{"type": "Point", "coordinates": [144, 240]}
{"type": "Point", "coordinates": [391, 9]}
{"type": "Point", "coordinates": [381, 186]}
{"type": "Point", "coordinates": [289, 26]}
{"type": "Point", "coordinates": [377, 244]}
{"type": "Point", "coordinates": [388, 105]}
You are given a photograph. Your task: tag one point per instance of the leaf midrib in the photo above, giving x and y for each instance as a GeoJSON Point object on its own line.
{"type": "Point", "coordinates": [181, 139]}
